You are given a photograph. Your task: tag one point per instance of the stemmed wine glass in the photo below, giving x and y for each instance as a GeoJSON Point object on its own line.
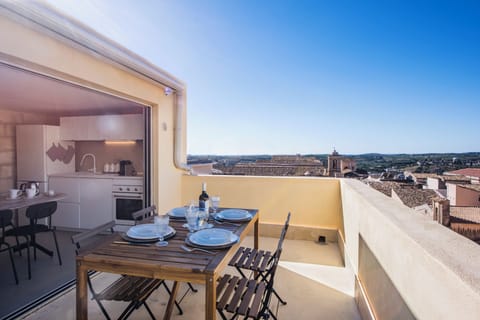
{"type": "Point", "coordinates": [161, 242]}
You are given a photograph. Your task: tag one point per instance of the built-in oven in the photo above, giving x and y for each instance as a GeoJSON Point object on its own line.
{"type": "Point", "coordinates": [127, 198]}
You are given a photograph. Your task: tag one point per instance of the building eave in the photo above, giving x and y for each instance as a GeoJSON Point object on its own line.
{"type": "Point", "coordinates": [74, 33]}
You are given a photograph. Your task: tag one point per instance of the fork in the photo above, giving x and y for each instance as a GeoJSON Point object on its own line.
{"type": "Point", "coordinates": [226, 222]}
{"type": "Point", "coordinates": [195, 249]}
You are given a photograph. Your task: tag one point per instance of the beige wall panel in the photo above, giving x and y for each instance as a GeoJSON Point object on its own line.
{"type": "Point", "coordinates": [384, 298]}
{"type": "Point", "coordinates": [167, 179]}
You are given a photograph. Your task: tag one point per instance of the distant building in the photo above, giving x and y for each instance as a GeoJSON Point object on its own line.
{"type": "Point", "coordinates": [437, 182]}
{"type": "Point", "coordinates": [465, 195]}
{"type": "Point", "coordinates": [460, 212]}
{"type": "Point", "coordinates": [283, 165]}
{"type": "Point", "coordinates": [340, 166]}
{"type": "Point", "coordinates": [420, 178]}
{"type": "Point", "coordinates": [202, 167]}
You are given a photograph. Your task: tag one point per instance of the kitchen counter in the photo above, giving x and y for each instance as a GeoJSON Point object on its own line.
{"type": "Point", "coordinates": [90, 175]}
{"type": "Point", "coordinates": [90, 199]}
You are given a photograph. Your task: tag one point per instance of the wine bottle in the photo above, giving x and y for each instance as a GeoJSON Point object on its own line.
{"type": "Point", "coordinates": [203, 203]}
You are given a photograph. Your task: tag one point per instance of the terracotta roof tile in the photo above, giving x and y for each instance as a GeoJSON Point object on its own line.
{"type": "Point", "coordinates": [416, 197]}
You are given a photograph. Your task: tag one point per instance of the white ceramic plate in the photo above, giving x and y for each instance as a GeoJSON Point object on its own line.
{"type": "Point", "coordinates": [178, 212]}
{"type": "Point", "coordinates": [147, 231]}
{"type": "Point", "coordinates": [234, 215]}
{"type": "Point", "coordinates": [213, 237]}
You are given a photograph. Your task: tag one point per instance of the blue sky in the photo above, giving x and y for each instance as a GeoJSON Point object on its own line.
{"type": "Point", "coordinates": [285, 77]}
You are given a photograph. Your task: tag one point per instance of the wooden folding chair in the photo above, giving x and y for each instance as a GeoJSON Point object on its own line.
{"type": "Point", "coordinates": [258, 261]}
{"type": "Point", "coordinates": [249, 298]}
{"type": "Point", "coordinates": [131, 289]}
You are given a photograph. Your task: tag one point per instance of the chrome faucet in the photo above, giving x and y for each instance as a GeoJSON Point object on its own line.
{"type": "Point", "coordinates": [93, 157]}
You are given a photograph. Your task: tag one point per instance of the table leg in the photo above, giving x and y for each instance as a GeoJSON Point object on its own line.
{"type": "Point", "coordinates": [171, 301]}
{"type": "Point", "coordinates": [255, 240]}
{"type": "Point", "coordinates": [255, 234]}
{"type": "Point", "coordinates": [211, 298]}
{"type": "Point", "coordinates": [82, 294]}
{"type": "Point", "coordinates": [16, 217]}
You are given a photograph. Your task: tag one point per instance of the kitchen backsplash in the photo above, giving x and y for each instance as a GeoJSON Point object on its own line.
{"type": "Point", "coordinates": [107, 154]}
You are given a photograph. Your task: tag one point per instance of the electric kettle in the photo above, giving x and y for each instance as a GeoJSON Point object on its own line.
{"type": "Point", "coordinates": [31, 185]}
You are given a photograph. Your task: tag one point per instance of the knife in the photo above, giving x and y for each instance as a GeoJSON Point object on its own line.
{"type": "Point", "coordinates": [132, 243]}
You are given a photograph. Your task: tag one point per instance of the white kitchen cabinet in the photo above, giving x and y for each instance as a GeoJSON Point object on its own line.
{"type": "Point", "coordinates": [68, 209]}
{"type": "Point", "coordinates": [88, 203]}
{"type": "Point", "coordinates": [95, 202]}
{"type": "Point", "coordinates": [81, 128]}
{"type": "Point", "coordinates": [109, 127]}
{"type": "Point", "coordinates": [67, 215]}
{"type": "Point", "coordinates": [70, 129]}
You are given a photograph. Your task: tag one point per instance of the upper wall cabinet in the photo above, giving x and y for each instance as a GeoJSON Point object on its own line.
{"type": "Point", "coordinates": [93, 128]}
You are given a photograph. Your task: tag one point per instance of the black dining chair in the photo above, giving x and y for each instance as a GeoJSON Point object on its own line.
{"type": "Point", "coordinates": [258, 261]}
{"type": "Point", "coordinates": [5, 222]}
{"type": "Point", "coordinates": [132, 289]}
{"type": "Point", "coordinates": [30, 231]}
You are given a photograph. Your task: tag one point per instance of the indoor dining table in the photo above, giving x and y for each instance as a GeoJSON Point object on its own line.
{"type": "Point", "coordinates": [23, 202]}
{"type": "Point", "coordinates": [170, 262]}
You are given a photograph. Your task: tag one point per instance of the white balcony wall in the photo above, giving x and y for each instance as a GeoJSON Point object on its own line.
{"type": "Point", "coordinates": [434, 270]}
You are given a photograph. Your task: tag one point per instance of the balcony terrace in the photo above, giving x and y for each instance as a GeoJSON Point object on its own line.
{"type": "Point", "coordinates": [382, 260]}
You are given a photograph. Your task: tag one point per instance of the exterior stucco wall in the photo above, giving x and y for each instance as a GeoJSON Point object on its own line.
{"type": "Point", "coordinates": [433, 183]}
{"type": "Point", "coordinates": [467, 197]}
{"type": "Point", "coordinates": [314, 202]}
{"type": "Point", "coordinates": [433, 269]}
{"type": "Point", "coordinates": [452, 193]}
{"type": "Point", "coordinates": [30, 46]}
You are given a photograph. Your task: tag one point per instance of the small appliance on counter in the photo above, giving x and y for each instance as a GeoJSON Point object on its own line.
{"type": "Point", "coordinates": [126, 168]}
{"type": "Point", "coordinates": [30, 185]}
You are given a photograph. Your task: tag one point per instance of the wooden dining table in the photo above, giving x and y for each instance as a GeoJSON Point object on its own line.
{"type": "Point", "coordinates": [170, 263]}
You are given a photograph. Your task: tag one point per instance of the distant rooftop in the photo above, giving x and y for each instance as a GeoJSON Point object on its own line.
{"type": "Point", "coordinates": [410, 196]}
{"type": "Point", "coordinates": [198, 161]}
{"type": "Point", "coordinates": [455, 178]}
{"type": "Point", "coordinates": [416, 197]}
{"type": "Point", "coordinates": [471, 172]}
{"type": "Point", "coordinates": [474, 187]}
